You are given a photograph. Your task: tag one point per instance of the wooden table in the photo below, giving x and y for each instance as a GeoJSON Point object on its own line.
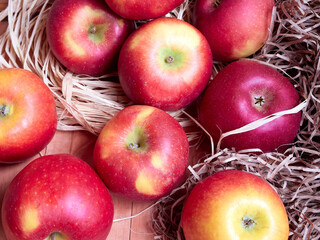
{"type": "Point", "coordinates": [81, 145]}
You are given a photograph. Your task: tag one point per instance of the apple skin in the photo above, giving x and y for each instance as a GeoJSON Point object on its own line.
{"type": "Point", "coordinates": [234, 29]}
{"type": "Point", "coordinates": [142, 9]}
{"type": "Point", "coordinates": [57, 194]}
{"type": "Point", "coordinates": [141, 153]}
{"type": "Point", "coordinates": [217, 206]}
{"type": "Point", "coordinates": [28, 118]}
{"type": "Point", "coordinates": [72, 41]}
{"type": "Point", "coordinates": [148, 77]}
{"type": "Point", "coordinates": [231, 101]}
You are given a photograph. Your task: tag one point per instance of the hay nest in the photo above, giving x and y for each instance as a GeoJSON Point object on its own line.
{"type": "Point", "coordinates": [87, 103]}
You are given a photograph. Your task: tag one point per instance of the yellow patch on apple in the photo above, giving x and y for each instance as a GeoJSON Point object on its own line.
{"type": "Point", "coordinates": [77, 49]}
{"type": "Point", "coordinates": [144, 184]}
{"type": "Point", "coordinates": [246, 50]}
{"type": "Point", "coordinates": [105, 152]}
{"type": "Point", "coordinates": [29, 219]}
{"type": "Point", "coordinates": [157, 161]}
{"type": "Point", "coordinates": [143, 115]}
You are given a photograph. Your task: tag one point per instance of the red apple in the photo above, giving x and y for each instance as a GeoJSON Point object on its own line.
{"type": "Point", "coordinates": [141, 153]}
{"type": "Point", "coordinates": [142, 9]}
{"type": "Point", "coordinates": [234, 29]}
{"type": "Point", "coordinates": [28, 117]}
{"type": "Point", "coordinates": [231, 205]}
{"type": "Point", "coordinates": [86, 36]}
{"type": "Point", "coordinates": [245, 91]}
{"type": "Point", "coordinates": [57, 197]}
{"type": "Point", "coordinates": [166, 63]}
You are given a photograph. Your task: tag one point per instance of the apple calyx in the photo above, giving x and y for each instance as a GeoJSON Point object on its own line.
{"type": "Point", "coordinates": [217, 3]}
{"type": "Point", "coordinates": [4, 110]}
{"type": "Point", "coordinates": [259, 100]}
{"type": "Point", "coordinates": [96, 32]}
{"type": "Point", "coordinates": [133, 146]}
{"type": "Point", "coordinates": [248, 223]}
{"type": "Point", "coordinates": [56, 236]}
{"type": "Point", "coordinates": [170, 59]}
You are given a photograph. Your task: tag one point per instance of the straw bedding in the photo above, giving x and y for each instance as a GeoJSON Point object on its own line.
{"type": "Point", "coordinates": [87, 103]}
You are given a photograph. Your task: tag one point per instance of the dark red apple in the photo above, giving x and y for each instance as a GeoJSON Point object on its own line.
{"type": "Point", "coordinates": [28, 116]}
{"type": "Point", "coordinates": [86, 36]}
{"type": "Point", "coordinates": [141, 153]}
{"type": "Point", "coordinates": [142, 9]}
{"type": "Point", "coordinates": [245, 91]}
{"type": "Point", "coordinates": [166, 63]}
{"type": "Point", "coordinates": [234, 28]}
{"type": "Point", "coordinates": [57, 197]}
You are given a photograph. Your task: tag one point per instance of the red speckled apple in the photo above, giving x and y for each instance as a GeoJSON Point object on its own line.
{"type": "Point", "coordinates": [141, 153]}
{"type": "Point", "coordinates": [142, 9]}
{"type": "Point", "coordinates": [231, 205]}
{"type": "Point", "coordinates": [166, 63]}
{"type": "Point", "coordinates": [245, 91]}
{"type": "Point", "coordinates": [86, 36]}
{"type": "Point", "coordinates": [57, 197]}
{"type": "Point", "coordinates": [28, 117]}
{"type": "Point", "coordinates": [234, 29]}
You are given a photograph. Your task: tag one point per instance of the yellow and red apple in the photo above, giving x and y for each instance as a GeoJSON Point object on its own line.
{"type": "Point", "coordinates": [141, 153]}
{"type": "Point", "coordinates": [142, 9]}
{"type": "Point", "coordinates": [231, 205]}
{"type": "Point", "coordinates": [234, 29]}
{"type": "Point", "coordinates": [28, 117]}
{"type": "Point", "coordinates": [57, 197]}
{"type": "Point", "coordinates": [86, 36]}
{"type": "Point", "coordinates": [166, 63]}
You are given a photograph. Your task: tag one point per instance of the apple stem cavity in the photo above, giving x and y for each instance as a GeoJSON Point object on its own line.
{"type": "Point", "coordinates": [170, 59]}
{"type": "Point", "coordinates": [248, 223]}
{"type": "Point", "coordinates": [259, 100]}
{"type": "Point", "coordinates": [4, 110]}
{"type": "Point", "coordinates": [55, 236]}
{"type": "Point", "coordinates": [92, 29]}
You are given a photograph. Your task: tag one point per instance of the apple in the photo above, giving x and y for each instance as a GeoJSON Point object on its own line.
{"type": "Point", "coordinates": [142, 153]}
{"type": "Point", "coordinates": [166, 63]}
{"type": "Point", "coordinates": [142, 9]}
{"type": "Point", "coordinates": [86, 36]}
{"type": "Point", "coordinates": [245, 91]}
{"type": "Point", "coordinates": [234, 29]}
{"type": "Point", "coordinates": [231, 205]}
{"type": "Point", "coordinates": [28, 117]}
{"type": "Point", "coordinates": [57, 197]}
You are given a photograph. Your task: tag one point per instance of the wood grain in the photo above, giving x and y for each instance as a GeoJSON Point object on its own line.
{"type": "Point", "coordinates": [3, 4]}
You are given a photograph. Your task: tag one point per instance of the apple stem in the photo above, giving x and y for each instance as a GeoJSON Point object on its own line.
{"type": "Point", "coordinates": [217, 3]}
{"type": "Point", "coordinates": [259, 100]}
{"type": "Point", "coordinates": [248, 222]}
{"type": "Point", "coordinates": [170, 59]}
{"type": "Point", "coordinates": [134, 146]}
{"type": "Point", "coordinates": [92, 29]}
{"type": "Point", "coordinates": [4, 110]}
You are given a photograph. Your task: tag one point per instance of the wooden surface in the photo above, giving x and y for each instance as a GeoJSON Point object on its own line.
{"type": "Point", "coordinates": [81, 145]}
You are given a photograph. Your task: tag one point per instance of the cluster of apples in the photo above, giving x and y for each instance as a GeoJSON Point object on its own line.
{"type": "Point", "coordinates": [142, 152]}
